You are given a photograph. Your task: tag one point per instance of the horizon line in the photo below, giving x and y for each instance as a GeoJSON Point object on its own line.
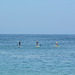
{"type": "Point", "coordinates": [38, 34]}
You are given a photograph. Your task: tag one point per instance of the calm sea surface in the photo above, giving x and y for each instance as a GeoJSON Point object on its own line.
{"type": "Point", "coordinates": [44, 60]}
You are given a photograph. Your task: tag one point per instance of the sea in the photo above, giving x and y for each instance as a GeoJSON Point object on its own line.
{"type": "Point", "coordinates": [31, 60]}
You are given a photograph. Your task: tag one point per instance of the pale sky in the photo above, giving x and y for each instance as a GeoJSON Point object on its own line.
{"type": "Point", "coordinates": [37, 16]}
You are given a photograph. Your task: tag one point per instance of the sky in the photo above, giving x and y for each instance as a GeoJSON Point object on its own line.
{"type": "Point", "coordinates": [37, 16]}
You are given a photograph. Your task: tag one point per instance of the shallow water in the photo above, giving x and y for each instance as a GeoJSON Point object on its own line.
{"type": "Point", "coordinates": [44, 60]}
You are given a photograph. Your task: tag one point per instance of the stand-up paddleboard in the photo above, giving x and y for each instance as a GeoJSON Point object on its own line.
{"type": "Point", "coordinates": [37, 46]}
{"type": "Point", "coordinates": [56, 46]}
{"type": "Point", "coordinates": [19, 46]}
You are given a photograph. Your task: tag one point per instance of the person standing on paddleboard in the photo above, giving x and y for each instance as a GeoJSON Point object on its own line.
{"type": "Point", "coordinates": [56, 43]}
{"type": "Point", "coordinates": [19, 43]}
{"type": "Point", "coordinates": [37, 43]}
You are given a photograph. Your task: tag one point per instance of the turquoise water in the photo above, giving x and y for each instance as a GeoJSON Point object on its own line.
{"type": "Point", "coordinates": [44, 60]}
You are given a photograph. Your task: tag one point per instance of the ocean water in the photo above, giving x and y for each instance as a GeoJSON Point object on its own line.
{"type": "Point", "coordinates": [44, 60]}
